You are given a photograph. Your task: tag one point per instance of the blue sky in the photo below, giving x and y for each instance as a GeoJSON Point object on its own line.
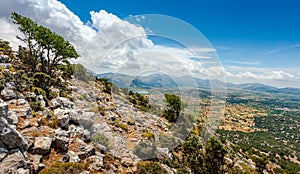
{"type": "Point", "coordinates": [256, 41]}
{"type": "Point", "coordinates": [242, 31]}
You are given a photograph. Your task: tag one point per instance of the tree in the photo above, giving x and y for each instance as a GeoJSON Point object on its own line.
{"type": "Point", "coordinates": [44, 47]}
{"type": "Point", "coordinates": [214, 158]}
{"type": "Point", "coordinates": [173, 108]}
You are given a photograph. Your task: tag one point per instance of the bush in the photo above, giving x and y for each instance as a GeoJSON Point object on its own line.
{"type": "Point", "coordinates": [150, 168]}
{"type": "Point", "coordinates": [101, 139]}
{"type": "Point", "coordinates": [40, 91]}
{"type": "Point", "coordinates": [144, 150]}
{"type": "Point", "coordinates": [36, 106]}
{"type": "Point", "coordinates": [139, 101]}
{"type": "Point", "coordinates": [174, 107]}
{"type": "Point", "coordinates": [122, 126]}
{"type": "Point", "coordinates": [148, 135]}
{"type": "Point", "coordinates": [64, 168]}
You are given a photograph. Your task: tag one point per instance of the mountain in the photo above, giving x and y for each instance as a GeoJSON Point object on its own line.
{"type": "Point", "coordinates": [162, 80]}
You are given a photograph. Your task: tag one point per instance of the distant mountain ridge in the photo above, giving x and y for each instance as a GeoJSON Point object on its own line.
{"type": "Point", "coordinates": [162, 80]}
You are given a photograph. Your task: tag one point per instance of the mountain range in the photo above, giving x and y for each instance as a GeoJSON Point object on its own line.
{"type": "Point", "coordinates": [166, 81]}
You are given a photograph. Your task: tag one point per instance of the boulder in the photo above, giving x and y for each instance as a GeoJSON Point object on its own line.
{"type": "Point", "coordinates": [14, 162]}
{"type": "Point", "coordinates": [87, 151]}
{"type": "Point", "coordinates": [85, 119]}
{"type": "Point", "coordinates": [61, 140]}
{"type": "Point", "coordinates": [21, 108]}
{"type": "Point", "coordinates": [9, 94]}
{"type": "Point", "coordinates": [73, 157]}
{"type": "Point", "coordinates": [65, 102]}
{"type": "Point", "coordinates": [11, 138]}
{"type": "Point", "coordinates": [42, 145]}
{"type": "Point", "coordinates": [53, 104]}
{"type": "Point", "coordinates": [3, 108]}
{"type": "Point", "coordinates": [94, 162]}
{"type": "Point", "coordinates": [62, 117]}
{"type": "Point", "coordinates": [12, 118]}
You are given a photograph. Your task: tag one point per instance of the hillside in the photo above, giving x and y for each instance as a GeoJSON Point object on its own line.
{"type": "Point", "coordinates": [57, 117]}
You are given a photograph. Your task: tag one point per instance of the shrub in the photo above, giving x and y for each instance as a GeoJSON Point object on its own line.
{"type": "Point", "coordinates": [40, 91]}
{"type": "Point", "coordinates": [148, 135]}
{"type": "Point", "coordinates": [145, 150]}
{"type": "Point", "coordinates": [64, 168]}
{"type": "Point", "coordinates": [36, 106]}
{"type": "Point", "coordinates": [174, 107]}
{"type": "Point", "coordinates": [150, 168]}
{"type": "Point", "coordinates": [122, 126]}
{"type": "Point", "coordinates": [101, 139]}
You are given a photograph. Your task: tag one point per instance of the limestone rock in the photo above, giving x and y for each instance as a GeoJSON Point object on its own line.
{"type": "Point", "coordinates": [54, 104]}
{"type": "Point", "coordinates": [61, 140]}
{"type": "Point", "coordinates": [85, 119]}
{"type": "Point", "coordinates": [42, 145]}
{"type": "Point", "coordinates": [13, 162]}
{"type": "Point", "coordinates": [3, 108]}
{"type": "Point", "coordinates": [94, 162]}
{"type": "Point", "coordinates": [87, 151]}
{"type": "Point", "coordinates": [11, 138]}
{"type": "Point", "coordinates": [62, 117]}
{"type": "Point", "coordinates": [12, 118]}
{"type": "Point", "coordinates": [8, 93]}
{"type": "Point", "coordinates": [21, 108]}
{"type": "Point", "coordinates": [65, 102]}
{"type": "Point", "coordinates": [73, 157]}
{"type": "Point", "coordinates": [164, 153]}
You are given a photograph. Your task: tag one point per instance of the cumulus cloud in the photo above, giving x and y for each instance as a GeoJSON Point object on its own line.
{"type": "Point", "coordinates": [108, 43]}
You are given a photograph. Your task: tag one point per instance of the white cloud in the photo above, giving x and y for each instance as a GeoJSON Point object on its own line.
{"type": "Point", "coordinates": [108, 42]}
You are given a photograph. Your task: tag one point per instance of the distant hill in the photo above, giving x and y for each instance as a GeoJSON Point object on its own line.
{"type": "Point", "coordinates": [162, 80]}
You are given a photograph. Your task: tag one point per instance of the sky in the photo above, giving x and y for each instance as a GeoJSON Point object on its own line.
{"type": "Point", "coordinates": [248, 41]}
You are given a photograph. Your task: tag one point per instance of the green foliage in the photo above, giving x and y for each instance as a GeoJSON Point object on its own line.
{"type": "Point", "coordinates": [42, 80]}
{"type": "Point", "coordinates": [6, 48]}
{"type": "Point", "coordinates": [43, 47]}
{"type": "Point", "coordinates": [214, 157]}
{"type": "Point", "coordinates": [145, 150]}
{"type": "Point", "coordinates": [139, 101]}
{"type": "Point", "coordinates": [192, 156]}
{"type": "Point", "coordinates": [80, 72]}
{"type": "Point", "coordinates": [122, 126]}
{"type": "Point", "coordinates": [101, 139]}
{"type": "Point", "coordinates": [64, 168]}
{"type": "Point", "coordinates": [147, 134]}
{"type": "Point", "coordinates": [173, 108]}
{"type": "Point", "coordinates": [40, 91]}
{"type": "Point", "coordinates": [107, 85]}
{"type": "Point", "coordinates": [150, 168]}
{"type": "Point", "coordinates": [36, 105]}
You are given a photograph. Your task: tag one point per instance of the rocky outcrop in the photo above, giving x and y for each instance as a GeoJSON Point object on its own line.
{"type": "Point", "coordinates": [10, 137]}
{"type": "Point", "coordinates": [3, 108]}
{"type": "Point", "coordinates": [15, 162]}
{"type": "Point", "coordinates": [42, 145]}
{"type": "Point", "coordinates": [62, 117]}
{"type": "Point", "coordinates": [8, 93]}
{"type": "Point", "coordinates": [20, 107]}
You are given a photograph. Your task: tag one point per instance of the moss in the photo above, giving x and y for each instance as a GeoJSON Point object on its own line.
{"type": "Point", "coordinates": [64, 168]}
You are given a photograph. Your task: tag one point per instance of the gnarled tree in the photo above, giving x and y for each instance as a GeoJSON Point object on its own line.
{"type": "Point", "coordinates": [44, 48]}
